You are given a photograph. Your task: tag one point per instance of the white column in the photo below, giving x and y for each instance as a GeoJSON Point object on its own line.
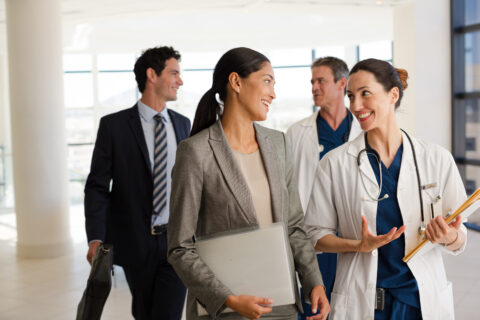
{"type": "Point", "coordinates": [422, 47]}
{"type": "Point", "coordinates": [38, 129]}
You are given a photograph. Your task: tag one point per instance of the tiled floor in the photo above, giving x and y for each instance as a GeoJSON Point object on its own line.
{"type": "Point", "coordinates": [50, 289]}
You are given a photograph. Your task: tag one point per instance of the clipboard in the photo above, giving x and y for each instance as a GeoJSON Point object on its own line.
{"type": "Point", "coordinates": [467, 208]}
{"type": "Point", "coordinates": [253, 262]}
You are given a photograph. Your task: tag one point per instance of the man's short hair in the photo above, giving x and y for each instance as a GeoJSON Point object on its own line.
{"type": "Point", "coordinates": [339, 67]}
{"type": "Point", "coordinates": [153, 58]}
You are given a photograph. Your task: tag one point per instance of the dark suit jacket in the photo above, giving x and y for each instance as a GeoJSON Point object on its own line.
{"type": "Point", "coordinates": [118, 191]}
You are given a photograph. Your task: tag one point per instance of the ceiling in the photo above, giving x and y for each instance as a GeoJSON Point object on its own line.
{"type": "Point", "coordinates": [122, 25]}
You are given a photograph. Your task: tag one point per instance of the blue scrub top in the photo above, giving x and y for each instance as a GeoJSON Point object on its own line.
{"type": "Point", "coordinates": [393, 274]}
{"type": "Point", "coordinates": [329, 138]}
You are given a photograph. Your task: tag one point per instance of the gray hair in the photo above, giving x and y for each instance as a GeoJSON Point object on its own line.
{"type": "Point", "coordinates": [339, 67]}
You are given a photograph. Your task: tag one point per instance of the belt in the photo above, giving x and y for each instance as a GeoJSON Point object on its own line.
{"type": "Point", "coordinates": [159, 229]}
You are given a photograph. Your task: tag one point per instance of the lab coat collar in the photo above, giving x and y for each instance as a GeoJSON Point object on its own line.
{"type": "Point", "coordinates": [407, 165]}
{"type": "Point", "coordinates": [311, 121]}
{"type": "Point", "coordinates": [358, 144]}
{"type": "Point", "coordinates": [354, 148]}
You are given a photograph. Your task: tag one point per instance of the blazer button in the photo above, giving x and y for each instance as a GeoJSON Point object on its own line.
{"type": "Point", "coordinates": [374, 253]}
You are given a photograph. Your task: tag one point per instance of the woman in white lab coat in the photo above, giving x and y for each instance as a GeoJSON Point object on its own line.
{"type": "Point", "coordinates": [370, 191]}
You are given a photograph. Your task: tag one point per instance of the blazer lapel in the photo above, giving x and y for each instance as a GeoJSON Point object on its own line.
{"type": "Point", "coordinates": [231, 171]}
{"type": "Point", "coordinates": [273, 170]}
{"type": "Point", "coordinates": [136, 127]}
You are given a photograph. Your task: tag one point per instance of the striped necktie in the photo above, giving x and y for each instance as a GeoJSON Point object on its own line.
{"type": "Point", "coordinates": [160, 167]}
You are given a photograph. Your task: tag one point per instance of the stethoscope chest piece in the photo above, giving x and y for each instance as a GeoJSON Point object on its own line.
{"type": "Point", "coordinates": [421, 229]}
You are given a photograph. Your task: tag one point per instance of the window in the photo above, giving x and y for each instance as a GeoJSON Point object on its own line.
{"type": "Point", "coordinates": [94, 85]}
{"type": "Point", "coordinates": [471, 144]}
{"type": "Point", "coordinates": [470, 186]}
{"type": "Point", "coordinates": [99, 84]}
{"type": "Point", "coordinates": [466, 89]}
{"type": "Point", "coordinates": [3, 180]}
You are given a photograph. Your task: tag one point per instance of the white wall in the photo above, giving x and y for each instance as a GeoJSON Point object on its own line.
{"type": "Point", "coordinates": [422, 46]}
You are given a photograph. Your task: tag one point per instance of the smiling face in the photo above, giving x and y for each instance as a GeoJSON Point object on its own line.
{"type": "Point", "coordinates": [369, 102]}
{"type": "Point", "coordinates": [256, 92]}
{"type": "Point", "coordinates": [167, 83]}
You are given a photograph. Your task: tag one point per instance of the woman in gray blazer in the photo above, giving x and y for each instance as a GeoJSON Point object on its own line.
{"type": "Point", "coordinates": [231, 174]}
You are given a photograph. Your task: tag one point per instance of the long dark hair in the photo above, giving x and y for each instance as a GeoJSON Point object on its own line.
{"type": "Point", "coordinates": [240, 60]}
{"type": "Point", "coordinates": [385, 74]}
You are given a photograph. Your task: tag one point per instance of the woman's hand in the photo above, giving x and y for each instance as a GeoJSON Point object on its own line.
{"type": "Point", "coordinates": [371, 242]}
{"type": "Point", "coordinates": [438, 231]}
{"type": "Point", "coordinates": [250, 307]}
{"type": "Point", "coordinates": [319, 299]}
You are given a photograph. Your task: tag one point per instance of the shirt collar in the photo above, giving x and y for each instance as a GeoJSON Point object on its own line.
{"type": "Point", "coordinates": [148, 113]}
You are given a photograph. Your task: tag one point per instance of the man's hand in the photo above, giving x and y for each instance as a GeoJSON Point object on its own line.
{"type": "Point", "coordinates": [319, 300]}
{"type": "Point", "coordinates": [250, 307]}
{"type": "Point", "coordinates": [91, 250]}
{"type": "Point", "coordinates": [371, 242]}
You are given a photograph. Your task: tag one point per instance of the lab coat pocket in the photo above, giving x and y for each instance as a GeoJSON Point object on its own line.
{"type": "Point", "coordinates": [338, 306]}
{"type": "Point", "coordinates": [432, 203]}
{"type": "Point", "coordinates": [445, 303]}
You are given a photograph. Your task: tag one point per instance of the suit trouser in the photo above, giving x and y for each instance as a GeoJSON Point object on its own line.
{"type": "Point", "coordinates": [157, 291]}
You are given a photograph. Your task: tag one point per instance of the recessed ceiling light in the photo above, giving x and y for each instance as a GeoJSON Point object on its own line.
{"type": "Point", "coordinates": [379, 3]}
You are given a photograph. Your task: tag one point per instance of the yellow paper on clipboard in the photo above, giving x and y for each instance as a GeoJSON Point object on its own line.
{"type": "Point", "coordinates": [465, 209]}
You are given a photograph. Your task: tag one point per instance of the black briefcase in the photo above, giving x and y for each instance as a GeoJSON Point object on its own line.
{"type": "Point", "coordinates": [98, 285]}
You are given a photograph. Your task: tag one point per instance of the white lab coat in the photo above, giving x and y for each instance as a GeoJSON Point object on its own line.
{"type": "Point", "coordinates": [339, 199]}
{"type": "Point", "coordinates": [303, 139]}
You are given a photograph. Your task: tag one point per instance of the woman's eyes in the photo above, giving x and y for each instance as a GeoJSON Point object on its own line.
{"type": "Point", "coordinates": [364, 93]}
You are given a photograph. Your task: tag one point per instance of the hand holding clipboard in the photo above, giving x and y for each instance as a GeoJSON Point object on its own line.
{"type": "Point", "coordinates": [466, 209]}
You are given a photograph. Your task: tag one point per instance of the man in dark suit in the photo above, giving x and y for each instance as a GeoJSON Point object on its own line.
{"type": "Point", "coordinates": [127, 191]}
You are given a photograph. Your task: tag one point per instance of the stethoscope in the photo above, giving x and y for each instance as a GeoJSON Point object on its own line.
{"type": "Point", "coordinates": [347, 134]}
{"type": "Point", "coordinates": [367, 149]}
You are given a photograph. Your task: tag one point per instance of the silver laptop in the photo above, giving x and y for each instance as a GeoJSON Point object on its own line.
{"type": "Point", "coordinates": [253, 262]}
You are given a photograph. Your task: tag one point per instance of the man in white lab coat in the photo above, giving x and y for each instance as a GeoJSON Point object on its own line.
{"type": "Point", "coordinates": [311, 138]}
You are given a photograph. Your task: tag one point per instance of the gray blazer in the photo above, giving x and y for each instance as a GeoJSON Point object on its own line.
{"type": "Point", "coordinates": [210, 195]}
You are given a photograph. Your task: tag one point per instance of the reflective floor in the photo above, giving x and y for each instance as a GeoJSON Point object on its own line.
{"type": "Point", "coordinates": [50, 289]}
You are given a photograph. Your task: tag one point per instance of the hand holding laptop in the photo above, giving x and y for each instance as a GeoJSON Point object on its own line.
{"type": "Point", "coordinates": [250, 307]}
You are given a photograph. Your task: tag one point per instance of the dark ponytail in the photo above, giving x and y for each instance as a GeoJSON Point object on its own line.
{"type": "Point", "coordinates": [206, 113]}
{"type": "Point", "coordinates": [240, 60]}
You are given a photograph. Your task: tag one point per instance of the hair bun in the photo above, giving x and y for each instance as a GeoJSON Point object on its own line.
{"type": "Point", "coordinates": [403, 75]}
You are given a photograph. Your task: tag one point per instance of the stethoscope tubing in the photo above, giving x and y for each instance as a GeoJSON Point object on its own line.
{"type": "Point", "coordinates": [367, 149]}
